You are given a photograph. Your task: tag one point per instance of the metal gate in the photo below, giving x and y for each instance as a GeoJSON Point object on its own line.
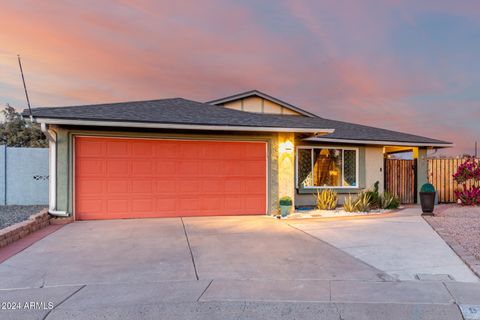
{"type": "Point", "coordinates": [401, 179]}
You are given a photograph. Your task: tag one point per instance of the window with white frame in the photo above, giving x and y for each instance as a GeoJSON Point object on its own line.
{"type": "Point", "coordinates": [327, 167]}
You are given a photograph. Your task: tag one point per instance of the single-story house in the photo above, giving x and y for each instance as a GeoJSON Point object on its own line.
{"type": "Point", "coordinates": [232, 156]}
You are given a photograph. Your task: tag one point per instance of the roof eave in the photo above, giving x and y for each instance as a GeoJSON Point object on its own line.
{"type": "Point", "coordinates": [381, 142]}
{"type": "Point", "coordinates": [156, 125]}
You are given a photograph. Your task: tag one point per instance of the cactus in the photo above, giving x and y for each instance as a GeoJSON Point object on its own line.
{"type": "Point", "coordinates": [427, 187]}
{"type": "Point", "coordinates": [285, 201]}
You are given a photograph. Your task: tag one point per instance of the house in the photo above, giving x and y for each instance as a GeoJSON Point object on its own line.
{"type": "Point", "coordinates": [232, 156]}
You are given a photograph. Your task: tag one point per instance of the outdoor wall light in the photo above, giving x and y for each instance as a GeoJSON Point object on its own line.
{"type": "Point", "coordinates": [286, 146]}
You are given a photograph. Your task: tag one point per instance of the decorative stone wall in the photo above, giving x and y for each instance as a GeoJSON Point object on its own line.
{"type": "Point", "coordinates": [20, 230]}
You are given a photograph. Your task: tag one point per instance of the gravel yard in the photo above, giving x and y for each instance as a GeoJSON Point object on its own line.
{"type": "Point", "coordinates": [461, 224]}
{"type": "Point", "coordinates": [12, 214]}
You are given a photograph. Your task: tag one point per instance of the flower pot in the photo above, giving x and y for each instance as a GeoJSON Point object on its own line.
{"type": "Point", "coordinates": [285, 210]}
{"type": "Point", "coordinates": [427, 200]}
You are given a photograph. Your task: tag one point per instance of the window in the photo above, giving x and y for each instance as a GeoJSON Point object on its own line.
{"type": "Point", "coordinates": [327, 167]}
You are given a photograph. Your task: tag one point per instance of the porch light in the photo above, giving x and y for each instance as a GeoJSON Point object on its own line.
{"type": "Point", "coordinates": [286, 146]}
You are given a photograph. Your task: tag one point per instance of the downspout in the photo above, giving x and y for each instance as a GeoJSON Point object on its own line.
{"type": "Point", "coordinates": [52, 186]}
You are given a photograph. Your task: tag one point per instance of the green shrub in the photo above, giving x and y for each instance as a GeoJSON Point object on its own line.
{"type": "Point", "coordinates": [349, 204]}
{"type": "Point", "coordinates": [427, 187]}
{"type": "Point", "coordinates": [363, 202]}
{"type": "Point", "coordinates": [327, 199]}
{"type": "Point", "coordinates": [375, 197]}
{"type": "Point", "coordinates": [285, 201]}
{"type": "Point", "coordinates": [395, 203]}
{"type": "Point", "coordinates": [389, 201]}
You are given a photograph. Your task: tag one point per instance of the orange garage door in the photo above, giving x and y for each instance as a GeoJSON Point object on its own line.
{"type": "Point", "coordinates": [137, 178]}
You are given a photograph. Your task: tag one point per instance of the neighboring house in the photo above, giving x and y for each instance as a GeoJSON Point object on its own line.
{"type": "Point", "coordinates": [232, 156]}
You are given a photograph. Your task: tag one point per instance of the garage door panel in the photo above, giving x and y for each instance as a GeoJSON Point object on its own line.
{"type": "Point", "coordinates": [186, 187]}
{"type": "Point", "coordinates": [165, 168]}
{"type": "Point", "coordinates": [235, 151]}
{"type": "Point", "coordinates": [252, 204]}
{"type": "Point", "coordinates": [213, 168]}
{"type": "Point", "coordinates": [143, 186]}
{"type": "Point", "coordinates": [166, 186]}
{"type": "Point", "coordinates": [144, 206]}
{"type": "Point", "coordinates": [214, 151]}
{"type": "Point", "coordinates": [255, 150]}
{"type": "Point", "coordinates": [255, 186]}
{"type": "Point", "coordinates": [212, 204]}
{"type": "Point", "coordinates": [234, 168]}
{"type": "Point", "coordinates": [234, 204]}
{"type": "Point", "coordinates": [118, 168]}
{"type": "Point", "coordinates": [212, 186]}
{"type": "Point", "coordinates": [142, 167]}
{"type": "Point", "coordinates": [90, 186]}
{"type": "Point", "coordinates": [166, 206]}
{"type": "Point", "coordinates": [91, 206]}
{"type": "Point", "coordinates": [117, 206]}
{"type": "Point", "coordinates": [187, 168]}
{"type": "Point", "coordinates": [166, 149]}
{"type": "Point", "coordinates": [131, 178]}
{"type": "Point", "coordinates": [255, 168]}
{"type": "Point", "coordinates": [90, 167]}
{"type": "Point", "coordinates": [91, 148]}
{"type": "Point", "coordinates": [117, 148]}
{"type": "Point", "coordinates": [118, 186]}
{"type": "Point", "coordinates": [143, 149]}
{"type": "Point", "coordinates": [188, 204]}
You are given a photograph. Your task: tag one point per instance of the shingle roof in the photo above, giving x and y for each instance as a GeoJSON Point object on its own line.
{"type": "Point", "coordinates": [187, 112]}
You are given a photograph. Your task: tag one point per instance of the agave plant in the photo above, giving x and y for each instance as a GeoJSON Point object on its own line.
{"type": "Point", "coordinates": [327, 199]}
{"type": "Point", "coordinates": [349, 204]}
{"type": "Point", "coordinates": [363, 202]}
{"type": "Point", "coordinates": [386, 200]}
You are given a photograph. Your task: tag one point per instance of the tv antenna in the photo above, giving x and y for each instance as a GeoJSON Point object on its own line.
{"type": "Point", "coordinates": [25, 88]}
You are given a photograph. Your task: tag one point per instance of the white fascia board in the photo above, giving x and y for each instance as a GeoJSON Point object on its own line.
{"type": "Point", "coordinates": [383, 143]}
{"type": "Point", "coordinates": [178, 126]}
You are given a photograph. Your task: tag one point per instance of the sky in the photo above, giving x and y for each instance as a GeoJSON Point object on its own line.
{"type": "Point", "coordinates": [411, 66]}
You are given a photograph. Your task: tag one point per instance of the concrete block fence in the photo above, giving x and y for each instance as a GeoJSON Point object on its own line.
{"type": "Point", "coordinates": [23, 176]}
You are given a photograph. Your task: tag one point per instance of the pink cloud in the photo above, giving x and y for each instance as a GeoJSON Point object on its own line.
{"type": "Point", "coordinates": [84, 53]}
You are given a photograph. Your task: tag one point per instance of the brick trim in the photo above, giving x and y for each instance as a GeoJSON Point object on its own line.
{"type": "Point", "coordinates": [20, 230]}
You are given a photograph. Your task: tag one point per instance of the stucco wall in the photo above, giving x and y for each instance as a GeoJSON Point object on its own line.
{"type": "Point", "coordinates": [422, 169]}
{"type": "Point", "coordinates": [65, 155]}
{"type": "Point", "coordinates": [374, 162]}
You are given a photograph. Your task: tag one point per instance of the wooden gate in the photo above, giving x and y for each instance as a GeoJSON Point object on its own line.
{"type": "Point", "coordinates": [401, 180]}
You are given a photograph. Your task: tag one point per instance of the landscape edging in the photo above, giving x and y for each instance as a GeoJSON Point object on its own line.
{"type": "Point", "coordinates": [20, 230]}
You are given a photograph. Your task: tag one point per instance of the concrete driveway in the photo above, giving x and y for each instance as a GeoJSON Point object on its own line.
{"type": "Point", "coordinates": [210, 268]}
{"type": "Point", "coordinates": [402, 245]}
{"type": "Point", "coordinates": [122, 251]}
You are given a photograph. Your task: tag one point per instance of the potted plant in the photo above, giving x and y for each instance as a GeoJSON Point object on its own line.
{"type": "Point", "coordinates": [285, 206]}
{"type": "Point", "coordinates": [427, 198]}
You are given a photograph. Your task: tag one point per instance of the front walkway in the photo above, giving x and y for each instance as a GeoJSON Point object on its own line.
{"type": "Point", "coordinates": [403, 245]}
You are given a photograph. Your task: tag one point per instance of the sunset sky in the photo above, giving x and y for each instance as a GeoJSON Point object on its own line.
{"type": "Point", "coordinates": [411, 66]}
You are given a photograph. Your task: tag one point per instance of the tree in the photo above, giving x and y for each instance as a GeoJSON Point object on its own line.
{"type": "Point", "coordinates": [20, 133]}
